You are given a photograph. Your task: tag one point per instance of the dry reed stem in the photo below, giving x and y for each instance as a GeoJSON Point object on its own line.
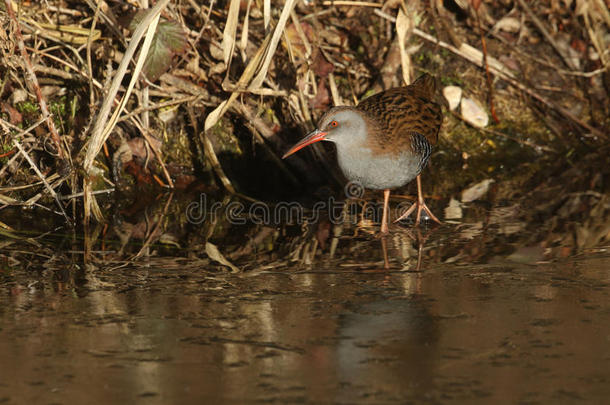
{"type": "Point", "coordinates": [230, 32]}
{"type": "Point", "coordinates": [404, 28]}
{"type": "Point", "coordinates": [334, 92]}
{"type": "Point", "coordinates": [213, 159]}
{"type": "Point", "coordinates": [270, 51]}
{"type": "Point", "coordinates": [302, 36]}
{"type": "Point", "coordinates": [33, 200]}
{"type": "Point", "coordinates": [598, 36]}
{"type": "Point", "coordinates": [351, 3]}
{"type": "Point", "coordinates": [103, 127]}
{"type": "Point", "coordinates": [64, 34]}
{"type": "Point", "coordinates": [257, 63]}
{"type": "Point", "coordinates": [213, 117]}
{"type": "Point", "coordinates": [243, 43]}
{"type": "Point", "coordinates": [50, 178]}
{"type": "Point", "coordinates": [266, 15]}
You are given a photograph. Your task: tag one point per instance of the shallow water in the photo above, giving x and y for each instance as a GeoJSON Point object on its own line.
{"type": "Point", "coordinates": [328, 333]}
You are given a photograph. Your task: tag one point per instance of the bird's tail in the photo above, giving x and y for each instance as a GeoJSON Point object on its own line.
{"type": "Point", "coordinates": [425, 85]}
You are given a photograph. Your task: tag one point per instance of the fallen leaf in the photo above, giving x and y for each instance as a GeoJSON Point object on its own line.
{"type": "Point", "coordinates": [507, 24]}
{"type": "Point", "coordinates": [473, 113]}
{"type": "Point", "coordinates": [296, 41]}
{"type": "Point", "coordinates": [453, 210]}
{"type": "Point", "coordinates": [213, 253]}
{"type": "Point", "coordinates": [453, 94]}
{"type": "Point", "coordinates": [477, 191]}
{"type": "Point", "coordinates": [15, 116]}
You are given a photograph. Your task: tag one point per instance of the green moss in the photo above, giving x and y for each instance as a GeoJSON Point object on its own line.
{"type": "Point", "coordinates": [57, 107]}
{"type": "Point", "coordinates": [27, 107]}
{"type": "Point", "coordinates": [452, 81]}
{"type": "Point", "coordinates": [223, 139]}
{"type": "Point", "coordinates": [5, 148]}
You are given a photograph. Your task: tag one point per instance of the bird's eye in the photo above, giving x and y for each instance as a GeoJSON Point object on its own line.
{"type": "Point", "coordinates": [334, 124]}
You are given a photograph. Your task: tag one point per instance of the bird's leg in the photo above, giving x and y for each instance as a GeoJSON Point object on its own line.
{"type": "Point", "coordinates": [384, 249]}
{"type": "Point", "coordinates": [384, 216]}
{"type": "Point", "coordinates": [420, 205]}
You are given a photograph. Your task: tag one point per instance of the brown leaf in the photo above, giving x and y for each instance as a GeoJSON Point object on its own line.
{"type": "Point", "coordinates": [322, 99]}
{"type": "Point", "coordinates": [296, 42]}
{"type": "Point", "coordinates": [14, 116]}
{"type": "Point", "coordinates": [321, 66]}
{"type": "Point", "coordinates": [578, 45]}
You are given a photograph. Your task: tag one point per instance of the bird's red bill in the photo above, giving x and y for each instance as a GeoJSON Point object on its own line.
{"type": "Point", "coordinates": [313, 137]}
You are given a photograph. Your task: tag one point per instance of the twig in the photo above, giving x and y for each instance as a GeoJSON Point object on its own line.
{"type": "Point", "coordinates": [502, 134]}
{"type": "Point", "coordinates": [8, 164]}
{"type": "Point", "coordinates": [546, 35]}
{"type": "Point", "coordinates": [297, 25]}
{"type": "Point", "coordinates": [155, 231]}
{"type": "Point", "coordinates": [52, 177]}
{"type": "Point", "coordinates": [156, 151]}
{"type": "Point", "coordinates": [468, 52]}
{"type": "Point", "coordinates": [33, 80]}
{"type": "Point", "coordinates": [44, 180]}
{"type": "Point", "coordinates": [157, 106]}
{"type": "Point", "coordinates": [7, 154]}
{"type": "Point", "coordinates": [492, 107]}
{"type": "Point", "coordinates": [545, 63]}
{"type": "Point", "coordinates": [81, 194]}
{"type": "Point", "coordinates": [22, 132]}
{"type": "Point", "coordinates": [89, 63]}
{"type": "Point", "coordinates": [351, 3]}
{"type": "Point", "coordinates": [58, 72]}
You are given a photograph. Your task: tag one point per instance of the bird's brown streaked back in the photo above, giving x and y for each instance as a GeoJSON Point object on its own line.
{"type": "Point", "coordinates": [393, 116]}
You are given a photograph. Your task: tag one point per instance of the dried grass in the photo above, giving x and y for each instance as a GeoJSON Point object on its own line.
{"type": "Point", "coordinates": [83, 45]}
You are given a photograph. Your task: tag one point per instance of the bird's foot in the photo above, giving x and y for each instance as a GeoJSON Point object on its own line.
{"type": "Point", "coordinates": [420, 206]}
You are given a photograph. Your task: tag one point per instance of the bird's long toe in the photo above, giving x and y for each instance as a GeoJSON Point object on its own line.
{"type": "Point", "coordinates": [419, 206]}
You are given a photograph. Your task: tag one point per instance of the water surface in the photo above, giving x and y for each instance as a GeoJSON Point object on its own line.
{"type": "Point", "coordinates": [327, 333]}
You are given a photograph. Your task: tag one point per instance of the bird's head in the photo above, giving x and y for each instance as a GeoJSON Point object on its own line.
{"type": "Point", "coordinates": [342, 125]}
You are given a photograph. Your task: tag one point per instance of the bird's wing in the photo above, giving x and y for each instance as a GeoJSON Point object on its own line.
{"type": "Point", "coordinates": [395, 115]}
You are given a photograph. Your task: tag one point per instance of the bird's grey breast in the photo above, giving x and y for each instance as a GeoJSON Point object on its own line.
{"type": "Point", "coordinates": [376, 171]}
